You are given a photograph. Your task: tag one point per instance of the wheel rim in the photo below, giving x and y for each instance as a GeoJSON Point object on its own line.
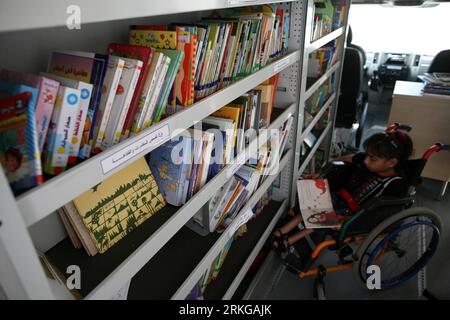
{"type": "Point", "coordinates": [391, 246]}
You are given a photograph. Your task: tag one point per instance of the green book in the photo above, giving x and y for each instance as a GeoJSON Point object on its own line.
{"type": "Point", "coordinates": [175, 61]}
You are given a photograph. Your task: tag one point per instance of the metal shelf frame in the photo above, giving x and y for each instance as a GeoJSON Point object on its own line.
{"type": "Point", "coordinates": [21, 275]}
{"type": "Point", "coordinates": [306, 93]}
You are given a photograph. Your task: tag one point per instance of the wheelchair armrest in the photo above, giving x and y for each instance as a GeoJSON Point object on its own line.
{"type": "Point", "coordinates": [385, 201]}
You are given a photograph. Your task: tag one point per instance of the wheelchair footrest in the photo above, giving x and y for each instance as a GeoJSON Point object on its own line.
{"type": "Point", "coordinates": [298, 257]}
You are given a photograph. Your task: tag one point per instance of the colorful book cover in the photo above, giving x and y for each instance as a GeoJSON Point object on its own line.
{"type": "Point", "coordinates": [232, 113]}
{"type": "Point", "coordinates": [48, 89]}
{"type": "Point", "coordinates": [175, 61]}
{"type": "Point", "coordinates": [62, 127]}
{"type": "Point", "coordinates": [19, 149]}
{"type": "Point", "coordinates": [170, 164]}
{"type": "Point", "coordinates": [122, 100]}
{"type": "Point", "coordinates": [315, 204]}
{"type": "Point", "coordinates": [115, 207]}
{"type": "Point", "coordinates": [158, 39]}
{"type": "Point", "coordinates": [85, 100]}
{"type": "Point", "coordinates": [148, 90]}
{"type": "Point", "coordinates": [144, 54]}
{"type": "Point", "coordinates": [109, 89]}
{"type": "Point", "coordinates": [89, 68]}
{"type": "Point", "coordinates": [156, 92]}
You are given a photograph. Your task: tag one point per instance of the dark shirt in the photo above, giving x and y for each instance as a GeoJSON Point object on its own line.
{"type": "Point", "coordinates": [364, 185]}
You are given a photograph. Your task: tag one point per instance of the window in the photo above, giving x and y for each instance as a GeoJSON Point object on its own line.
{"type": "Point", "coordinates": [401, 29]}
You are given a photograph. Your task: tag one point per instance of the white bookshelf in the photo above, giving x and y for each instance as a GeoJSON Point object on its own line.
{"type": "Point", "coordinates": [29, 221]}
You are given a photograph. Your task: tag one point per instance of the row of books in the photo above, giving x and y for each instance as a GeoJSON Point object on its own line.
{"type": "Point", "coordinates": [218, 49]}
{"type": "Point", "coordinates": [183, 165]}
{"type": "Point", "coordinates": [315, 103]}
{"type": "Point", "coordinates": [437, 83]}
{"type": "Point", "coordinates": [212, 273]}
{"type": "Point", "coordinates": [229, 200]}
{"type": "Point", "coordinates": [92, 101]}
{"type": "Point", "coordinates": [320, 61]}
{"type": "Point", "coordinates": [328, 15]}
{"type": "Point", "coordinates": [84, 104]}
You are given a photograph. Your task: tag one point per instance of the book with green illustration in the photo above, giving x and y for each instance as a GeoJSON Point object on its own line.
{"type": "Point", "coordinates": [113, 208]}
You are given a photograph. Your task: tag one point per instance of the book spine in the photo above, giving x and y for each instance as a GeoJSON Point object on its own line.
{"type": "Point", "coordinates": [97, 76]}
{"type": "Point", "coordinates": [147, 92]}
{"type": "Point", "coordinates": [148, 117]}
{"type": "Point", "coordinates": [127, 104]}
{"type": "Point", "coordinates": [168, 83]}
{"type": "Point", "coordinates": [121, 104]}
{"type": "Point", "coordinates": [48, 91]}
{"type": "Point", "coordinates": [61, 130]}
{"type": "Point", "coordinates": [85, 99]}
{"type": "Point", "coordinates": [111, 82]}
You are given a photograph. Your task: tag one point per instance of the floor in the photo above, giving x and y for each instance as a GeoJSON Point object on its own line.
{"type": "Point", "coordinates": [281, 284]}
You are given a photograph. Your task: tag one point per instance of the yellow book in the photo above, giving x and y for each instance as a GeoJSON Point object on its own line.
{"type": "Point", "coordinates": [114, 207]}
{"type": "Point", "coordinates": [232, 113]}
{"type": "Point", "coordinates": [266, 103]}
{"type": "Point", "coordinates": [157, 39]}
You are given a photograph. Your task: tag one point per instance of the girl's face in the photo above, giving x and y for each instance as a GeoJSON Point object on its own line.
{"type": "Point", "coordinates": [378, 164]}
{"type": "Point", "coordinates": [11, 163]}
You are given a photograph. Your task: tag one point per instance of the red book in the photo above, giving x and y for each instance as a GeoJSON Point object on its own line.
{"type": "Point", "coordinates": [144, 54]}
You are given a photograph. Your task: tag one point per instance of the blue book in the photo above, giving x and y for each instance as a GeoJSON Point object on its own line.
{"type": "Point", "coordinates": [171, 166]}
{"type": "Point", "coordinates": [19, 149]}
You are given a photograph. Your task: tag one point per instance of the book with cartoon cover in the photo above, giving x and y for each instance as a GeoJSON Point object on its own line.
{"type": "Point", "coordinates": [19, 149]}
{"type": "Point", "coordinates": [315, 204]}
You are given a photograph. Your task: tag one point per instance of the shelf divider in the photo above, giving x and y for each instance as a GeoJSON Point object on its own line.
{"type": "Point", "coordinates": [309, 92]}
{"type": "Point", "coordinates": [313, 150]}
{"type": "Point", "coordinates": [317, 117]}
{"type": "Point", "coordinates": [324, 40]}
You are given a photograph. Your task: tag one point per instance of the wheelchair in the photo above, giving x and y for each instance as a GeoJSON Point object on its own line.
{"type": "Point", "coordinates": [387, 232]}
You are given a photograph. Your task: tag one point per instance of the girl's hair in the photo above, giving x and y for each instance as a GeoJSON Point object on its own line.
{"type": "Point", "coordinates": [396, 145]}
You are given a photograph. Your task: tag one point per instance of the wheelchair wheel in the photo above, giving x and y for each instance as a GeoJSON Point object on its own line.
{"type": "Point", "coordinates": [401, 246]}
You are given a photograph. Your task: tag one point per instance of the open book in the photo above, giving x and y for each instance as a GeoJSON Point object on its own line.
{"type": "Point", "coordinates": [315, 204]}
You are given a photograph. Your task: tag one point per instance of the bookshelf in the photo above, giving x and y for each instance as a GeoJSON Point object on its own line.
{"type": "Point", "coordinates": [147, 256]}
{"type": "Point", "coordinates": [309, 86]}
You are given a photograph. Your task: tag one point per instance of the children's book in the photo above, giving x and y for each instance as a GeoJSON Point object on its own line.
{"type": "Point", "coordinates": [315, 204]}
{"type": "Point", "coordinates": [109, 89]}
{"type": "Point", "coordinates": [62, 128]}
{"type": "Point", "coordinates": [147, 56]}
{"type": "Point", "coordinates": [48, 89]}
{"type": "Point", "coordinates": [171, 165]}
{"type": "Point", "coordinates": [85, 99]}
{"type": "Point", "coordinates": [19, 150]}
{"type": "Point", "coordinates": [116, 206]}
{"type": "Point", "coordinates": [87, 67]}
{"type": "Point", "coordinates": [122, 100]}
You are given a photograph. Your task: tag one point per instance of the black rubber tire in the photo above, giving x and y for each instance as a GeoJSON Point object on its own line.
{"type": "Point", "coordinates": [360, 253]}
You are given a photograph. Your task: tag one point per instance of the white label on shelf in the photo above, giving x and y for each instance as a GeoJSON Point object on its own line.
{"type": "Point", "coordinates": [125, 154]}
{"type": "Point", "coordinates": [280, 65]}
{"type": "Point", "coordinates": [237, 163]}
{"type": "Point", "coordinates": [234, 2]}
{"type": "Point", "coordinates": [241, 220]}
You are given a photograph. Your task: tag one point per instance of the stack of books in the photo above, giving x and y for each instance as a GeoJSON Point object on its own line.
{"type": "Point", "coordinates": [437, 83]}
